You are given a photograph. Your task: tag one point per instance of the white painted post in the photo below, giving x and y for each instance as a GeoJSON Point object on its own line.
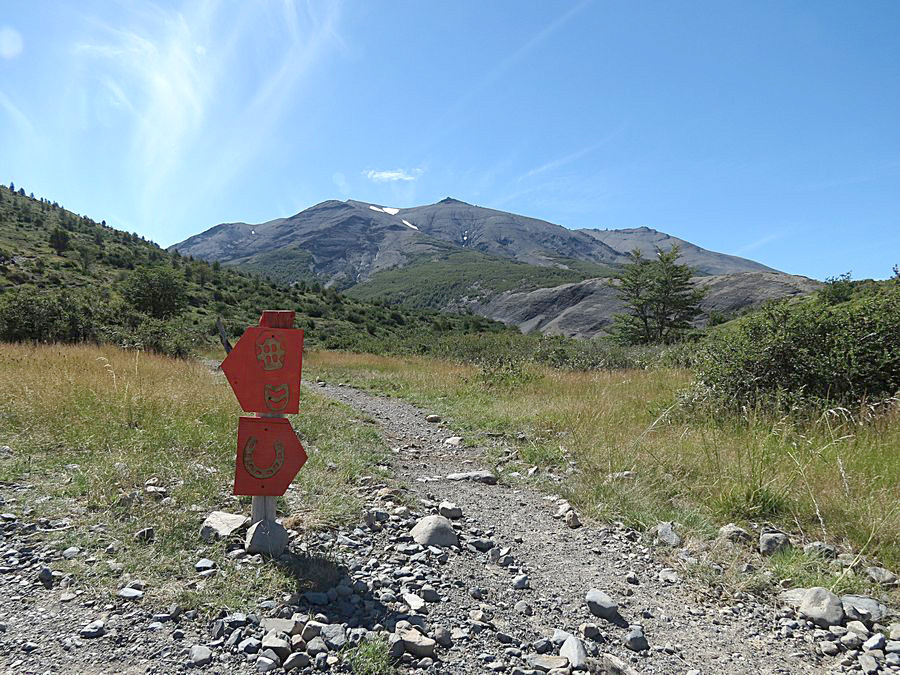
{"type": "Point", "coordinates": [262, 508]}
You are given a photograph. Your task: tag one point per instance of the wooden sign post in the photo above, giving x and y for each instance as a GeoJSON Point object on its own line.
{"type": "Point", "coordinates": [263, 369]}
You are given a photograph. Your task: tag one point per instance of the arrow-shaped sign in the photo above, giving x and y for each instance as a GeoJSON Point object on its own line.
{"type": "Point", "coordinates": [268, 456]}
{"type": "Point", "coordinates": [263, 369]}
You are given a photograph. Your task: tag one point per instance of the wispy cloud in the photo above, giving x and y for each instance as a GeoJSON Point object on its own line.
{"type": "Point", "coordinates": [181, 80]}
{"type": "Point", "coordinates": [760, 243]}
{"type": "Point", "coordinates": [11, 43]}
{"type": "Point", "coordinates": [340, 181]}
{"type": "Point", "coordinates": [393, 175]}
{"type": "Point", "coordinates": [560, 162]}
{"type": "Point", "coordinates": [20, 118]}
{"type": "Point", "coordinates": [454, 112]}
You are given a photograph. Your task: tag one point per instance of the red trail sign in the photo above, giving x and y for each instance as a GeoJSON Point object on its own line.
{"type": "Point", "coordinates": [263, 369]}
{"type": "Point", "coordinates": [269, 456]}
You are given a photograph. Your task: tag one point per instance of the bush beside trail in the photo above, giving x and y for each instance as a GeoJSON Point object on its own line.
{"type": "Point", "coordinates": [809, 354]}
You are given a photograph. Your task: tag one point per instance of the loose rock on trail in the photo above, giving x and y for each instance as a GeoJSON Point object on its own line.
{"type": "Point", "coordinates": [456, 571]}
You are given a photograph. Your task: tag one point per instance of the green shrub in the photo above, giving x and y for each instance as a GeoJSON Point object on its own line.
{"type": "Point", "coordinates": [793, 355]}
{"type": "Point", "coordinates": [27, 314]}
{"type": "Point", "coordinates": [156, 290]}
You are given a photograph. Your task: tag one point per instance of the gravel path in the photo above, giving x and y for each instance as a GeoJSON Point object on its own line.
{"type": "Point", "coordinates": [450, 575]}
{"type": "Point", "coordinates": [686, 631]}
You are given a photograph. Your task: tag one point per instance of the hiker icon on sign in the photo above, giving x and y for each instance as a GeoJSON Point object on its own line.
{"type": "Point", "coordinates": [269, 352]}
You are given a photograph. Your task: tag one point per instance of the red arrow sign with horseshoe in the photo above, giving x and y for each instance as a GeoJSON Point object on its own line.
{"type": "Point", "coordinates": [269, 456]}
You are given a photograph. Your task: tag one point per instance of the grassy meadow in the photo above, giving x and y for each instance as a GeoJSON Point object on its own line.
{"type": "Point", "coordinates": [90, 427]}
{"type": "Point", "coordinates": [826, 478]}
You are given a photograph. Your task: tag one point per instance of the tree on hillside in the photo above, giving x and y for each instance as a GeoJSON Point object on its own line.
{"type": "Point", "coordinates": [156, 290]}
{"type": "Point", "coordinates": [87, 255]}
{"type": "Point", "coordinates": [837, 289]}
{"type": "Point", "coordinates": [659, 298]}
{"type": "Point", "coordinates": [59, 240]}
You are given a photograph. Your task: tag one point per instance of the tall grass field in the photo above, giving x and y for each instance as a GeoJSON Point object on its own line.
{"type": "Point", "coordinates": [92, 428]}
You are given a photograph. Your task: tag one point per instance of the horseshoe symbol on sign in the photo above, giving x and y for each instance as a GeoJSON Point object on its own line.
{"type": "Point", "coordinates": [256, 471]}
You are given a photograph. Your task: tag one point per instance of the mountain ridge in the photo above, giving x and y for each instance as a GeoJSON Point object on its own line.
{"type": "Point", "coordinates": [457, 256]}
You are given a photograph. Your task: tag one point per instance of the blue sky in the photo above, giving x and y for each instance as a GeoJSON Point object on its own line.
{"type": "Point", "coordinates": [765, 129]}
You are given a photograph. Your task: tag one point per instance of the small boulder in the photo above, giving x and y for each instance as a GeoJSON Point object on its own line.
{"type": "Point", "coordinates": [481, 476]}
{"type": "Point", "coordinates": [279, 645]}
{"type": "Point", "coordinates": [669, 575]}
{"type": "Point", "coordinates": [600, 604]}
{"type": "Point", "coordinates": [877, 641]}
{"type": "Point", "coordinates": [414, 602]}
{"type": "Point", "coordinates": [415, 643]}
{"type": "Point", "coordinates": [296, 660]}
{"type": "Point", "coordinates": [771, 543]}
{"type": "Point", "coordinates": [433, 419]}
{"type": "Point", "coordinates": [635, 640]}
{"type": "Point", "coordinates": [822, 607]}
{"type": "Point", "coordinates": [249, 645]}
{"type": "Point", "coordinates": [130, 593]}
{"type": "Point", "coordinates": [316, 646]}
{"type": "Point", "coordinates": [266, 537]}
{"type": "Point", "coordinates": [665, 533]}
{"type": "Point", "coordinates": [734, 533]}
{"type": "Point", "coordinates": [571, 519]}
{"type": "Point", "coordinates": [286, 626]}
{"type": "Point", "coordinates": [613, 665]}
{"type": "Point", "coordinates": [821, 549]}
{"type": "Point", "coordinates": [590, 631]}
{"type": "Point", "coordinates": [266, 664]}
{"type": "Point", "coordinates": [94, 629]}
{"type": "Point", "coordinates": [204, 565]}
{"type": "Point", "coordinates": [573, 650]}
{"type": "Point", "coordinates": [450, 510]}
{"type": "Point", "coordinates": [220, 525]}
{"type": "Point", "coordinates": [868, 664]}
{"type": "Point", "coordinates": [861, 608]}
{"type": "Point", "coordinates": [879, 575]}
{"type": "Point", "coordinates": [434, 531]}
{"type": "Point", "coordinates": [453, 441]}
{"type": "Point", "coordinates": [200, 655]}
{"type": "Point", "coordinates": [547, 662]}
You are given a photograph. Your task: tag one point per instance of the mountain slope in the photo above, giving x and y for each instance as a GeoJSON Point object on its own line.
{"type": "Point", "coordinates": [586, 309]}
{"type": "Point", "coordinates": [457, 256]}
{"type": "Point", "coordinates": [346, 243]}
{"type": "Point", "coordinates": [647, 240]}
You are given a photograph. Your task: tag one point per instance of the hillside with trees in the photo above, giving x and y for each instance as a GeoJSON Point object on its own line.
{"type": "Point", "coordinates": [67, 277]}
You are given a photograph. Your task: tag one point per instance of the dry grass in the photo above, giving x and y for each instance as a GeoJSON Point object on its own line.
{"type": "Point", "coordinates": [90, 426]}
{"type": "Point", "coordinates": [828, 479]}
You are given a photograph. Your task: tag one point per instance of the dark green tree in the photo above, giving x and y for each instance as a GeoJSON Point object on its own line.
{"type": "Point", "coordinates": [837, 289]}
{"type": "Point", "coordinates": [659, 298]}
{"type": "Point", "coordinates": [87, 255]}
{"type": "Point", "coordinates": [59, 240]}
{"type": "Point", "coordinates": [156, 290]}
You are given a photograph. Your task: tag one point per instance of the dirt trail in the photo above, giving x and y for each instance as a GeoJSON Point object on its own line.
{"type": "Point", "coordinates": [687, 631]}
